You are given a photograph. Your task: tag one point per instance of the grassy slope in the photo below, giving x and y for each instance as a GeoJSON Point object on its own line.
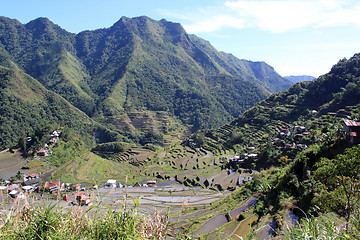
{"type": "Point", "coordinates": [257, 72]}
{"type": "Point", "coordinates": [64, 74]}
{"type": "Point", "coordinates": [26, 104]}
{"type": "Point", "coordinates": [93, 169]}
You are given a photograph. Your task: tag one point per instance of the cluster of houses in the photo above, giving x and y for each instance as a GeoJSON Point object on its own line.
{"type": "Point", "coordinates": [81, 199]}
{"type": "Point", "coordinates": [16, 190]}
{"type": "Point", "coordinates": [45, 151]}
{"type": "Point", "coordinates": [243, 157]}
{"type": "Point", "coordinates": [31, 183]}
{"type": "Point", "coordinates": [350, 127]}
{"type": "Point", "coordinates": [298, 133]}
{"type": "Point", "coordinates": [112, 183]}
{"type": "Point", "coordinates": [81, 196]}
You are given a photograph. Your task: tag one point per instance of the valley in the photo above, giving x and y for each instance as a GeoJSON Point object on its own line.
{"type": "Point", "coordinates": [142, 131]}
{"type": "Point", "coordinates": [191, 182]}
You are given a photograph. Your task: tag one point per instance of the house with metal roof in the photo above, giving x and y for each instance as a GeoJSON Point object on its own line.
{"type": "Point", "coordinates": [352, 128]}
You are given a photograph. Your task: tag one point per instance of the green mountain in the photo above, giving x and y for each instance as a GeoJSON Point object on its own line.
{"type": "Point", "coordinates": [329, 93]}
{"type": "Point", "coordinates": [300, 78]}
{"type": "Point", "coordinates": [136, 66]}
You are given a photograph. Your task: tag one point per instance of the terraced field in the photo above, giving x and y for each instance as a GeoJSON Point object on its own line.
{"type": "Point", "coordinates": [146, 121]}
{"type": "Point", "coordinates": [10, 163]}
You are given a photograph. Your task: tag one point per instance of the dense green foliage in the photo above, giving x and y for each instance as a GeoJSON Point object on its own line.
{"type": "Point", "coordinates": [113, 147]}
{"type": "Point", "coordinates": [68, 148]}
{"type": "Point", "coordinates": [340, 182]}
{"type": "Point", "coordinates": [137, 64]}
{"type": "Point", "coordinates": [26, 105]}
{"type": "Point", "coordinates": [310, 104]}
{"type": "Point", "coordinates": [311, 181]}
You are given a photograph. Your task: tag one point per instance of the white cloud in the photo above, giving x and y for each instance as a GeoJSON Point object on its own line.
{"type": "Point", "coordinates": [342, 17]}
{"type": "Point", "coordinates": [272, 15]}
{"type": "Point", "coordinates": [275, 16]}
{"type": "Point", "coordinates": [215, 23]}
{"type": "Point", "coordinates": [282, 16]}
{"type": "Point", "coordinates": [207, 19]}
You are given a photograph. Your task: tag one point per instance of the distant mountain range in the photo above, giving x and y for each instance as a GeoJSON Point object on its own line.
{"type": "Point", "coordinates": [101, 78]}
{"type": "Point", "coordinates": [300, 78]}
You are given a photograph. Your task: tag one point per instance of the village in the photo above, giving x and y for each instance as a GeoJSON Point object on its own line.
{"type": "Point", "coordinates": [73, 193]}
{"type": "Point", "coordinates": [290, 141]}
{"type": "Point", "coordinates": [177, 193]}
{"type": "Point", "coordinates": [33, 182]}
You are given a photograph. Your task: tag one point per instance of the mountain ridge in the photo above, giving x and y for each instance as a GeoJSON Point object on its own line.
{"type": "Point", "coordinates": [137, 64]}
{"type": "Point", "coordinates": [299, 78]}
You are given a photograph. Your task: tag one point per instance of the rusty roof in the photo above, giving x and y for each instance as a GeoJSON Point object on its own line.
{"type": "Point", "coordinates": [78, 194]}
{"type": "Point", "coordinates": [351, 123]}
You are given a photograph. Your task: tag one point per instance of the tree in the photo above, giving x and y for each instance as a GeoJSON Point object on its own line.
{"type": "Point", "coordinates": [340, 180]}
{"type": "Point", "coordinates": [18, 175]}
{"type": "Point", "coordinates": [283, 160]}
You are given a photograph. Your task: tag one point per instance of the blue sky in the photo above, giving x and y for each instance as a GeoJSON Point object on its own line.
{"type": "Point", "coordinates": [296, 37]}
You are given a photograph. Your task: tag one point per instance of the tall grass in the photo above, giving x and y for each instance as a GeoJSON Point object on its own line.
{"type": "Point", "coordinates": [49, 221]}
{"type": "Point", "coordinates": [324, 228]}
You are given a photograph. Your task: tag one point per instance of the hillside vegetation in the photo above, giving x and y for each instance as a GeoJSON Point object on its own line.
{"type": "Point", "coordinates": [26, 104]}
{"type": "Point", "coordinates": [304, 104]}
{"type": "Point", "coordinates": [139, 66]}
{"type": "Point", "coordinates": [318, 184]}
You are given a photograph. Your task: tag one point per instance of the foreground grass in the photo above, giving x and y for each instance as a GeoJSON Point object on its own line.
{"type": "Point", "coordinates": [51, 222]}
{"type": "Point", "coordinates": [323, 228]}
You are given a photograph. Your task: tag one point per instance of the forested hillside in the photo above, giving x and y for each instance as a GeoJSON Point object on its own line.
{"type": "Point", "coordinates": [304, 104]}
{"type": "Point", "coordinates": [304, 165]}
{"type": "Point", "coordinates": [26, 105]}
{"type": "Point", "coordinates": [137, 65]}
